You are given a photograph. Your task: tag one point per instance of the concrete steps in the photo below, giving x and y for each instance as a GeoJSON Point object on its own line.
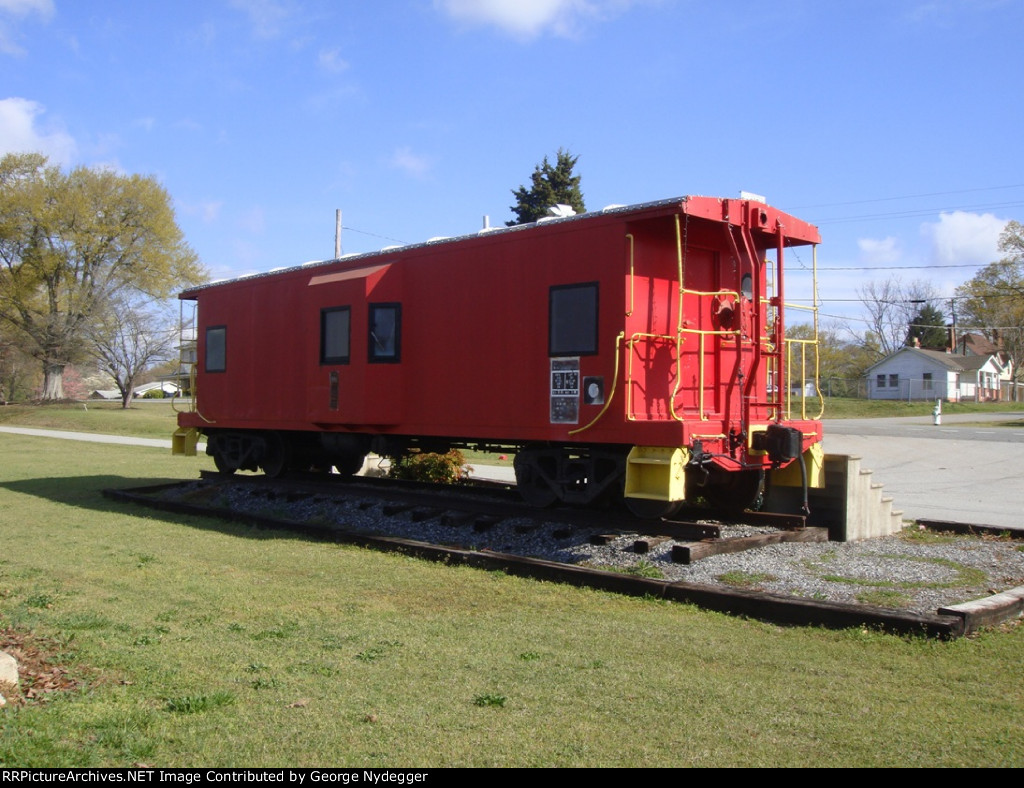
{"type": "Point", "coordinates": [852, 505]}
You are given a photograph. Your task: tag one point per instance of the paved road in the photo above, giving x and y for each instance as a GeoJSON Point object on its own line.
{"type": "Point", "coordinates": [967, 427]}
{"type": "Point", "coordinates": [956, 471]}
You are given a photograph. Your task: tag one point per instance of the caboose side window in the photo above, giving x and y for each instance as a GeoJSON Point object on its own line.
{"type": "Point", "coordinates": [572, 320]}
{"type": "Point", "coordinates": [385, 333]}
{"type": "Point", "coordinates": [335, 324]}
{"type": "Point", "coordinates": [216, 348]}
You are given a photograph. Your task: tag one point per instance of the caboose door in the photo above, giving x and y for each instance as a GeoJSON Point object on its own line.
{"type": "Point", "coordinates": [335, 321]}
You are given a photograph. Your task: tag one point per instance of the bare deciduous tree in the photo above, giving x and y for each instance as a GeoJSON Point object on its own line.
{"type": "Point", "coordinates": [127, 339]}
{"type": "Point", "coordinates": [891, 306]}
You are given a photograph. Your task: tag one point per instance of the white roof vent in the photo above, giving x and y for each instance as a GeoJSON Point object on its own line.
{"type": "Point", "coordinates": [561, 211]}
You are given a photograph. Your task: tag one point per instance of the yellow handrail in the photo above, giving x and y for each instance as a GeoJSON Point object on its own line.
{"type": "Point", "coordinates": [615, 383]}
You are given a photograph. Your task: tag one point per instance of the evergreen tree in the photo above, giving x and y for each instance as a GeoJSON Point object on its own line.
{"type": "Point", "coordinates": [927, 329]}
{"type": "Point", "coordinates": [550, 185]}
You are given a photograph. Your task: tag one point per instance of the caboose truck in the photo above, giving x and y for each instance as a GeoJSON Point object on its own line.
{"type": "Point", "coordinates": [635, 353]}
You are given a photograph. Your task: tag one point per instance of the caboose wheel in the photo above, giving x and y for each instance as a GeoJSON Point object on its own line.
{"type": "Point", "coordinates": [349, 465]}
{"type": "Point", "coordinates": [530, 482]}
{"type": "Point", "coordinates": [275, 456]}
{"type": "Point", "coordinates": [223, 459]}
{"type": "Point", "coordinates": [651, 510]}
{"type": "Point", "coordinates": [223, 464]}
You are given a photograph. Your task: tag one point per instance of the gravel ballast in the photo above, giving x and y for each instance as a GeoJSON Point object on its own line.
{"type": "Point", "coordinates": [915, 571]}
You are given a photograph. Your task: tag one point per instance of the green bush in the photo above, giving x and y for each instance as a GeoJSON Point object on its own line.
{"type": "Point", "coordinates": [448, 468]}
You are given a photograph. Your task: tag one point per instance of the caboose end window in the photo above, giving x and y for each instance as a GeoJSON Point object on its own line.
{"type": "Point", "coordinates": [335, 324]}
{"type": "Point", "coordinates": [216, 349]}
{"type": "Point", "coordinates": [572, 320]}
{"type": "Point", "coordinates": [386, 333]}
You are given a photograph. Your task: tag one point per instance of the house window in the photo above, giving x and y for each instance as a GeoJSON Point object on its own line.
{"type": "Point", "coordinates": [216, 348]}
{"type": "Point", "coordinates": [385, 333]}
{"type": "Point", "coordinates": [927, 380]}
{"type": "Point", "coordinates": [894, 381]}
{"type": "Point", "coordinates": [880, 381]}
{"type": "Point", "coordinates": [335, 324]}
{"type": "Point", "coordinates": [572, 320]}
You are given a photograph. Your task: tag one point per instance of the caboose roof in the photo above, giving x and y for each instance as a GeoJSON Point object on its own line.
{"type": "Point", "coordinates": [714, 209]}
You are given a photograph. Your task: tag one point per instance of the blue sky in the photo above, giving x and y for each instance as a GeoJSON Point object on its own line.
{"type": "Point", "coordinates": [894, 126]}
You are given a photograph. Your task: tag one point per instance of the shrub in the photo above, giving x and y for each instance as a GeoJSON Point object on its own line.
{"type": "Point", "coordinates": [449, 468]}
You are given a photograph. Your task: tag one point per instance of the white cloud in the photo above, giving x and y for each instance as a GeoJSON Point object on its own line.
{"type": "Point", "coordinates": [253, 221]}
{"type": "Point", "coordinates": [26, 7]}
{"type": "Point", "coordinates": [208, 211]}
{"type": "Point", "coordinates": [265, 16]}
{"type": "Point", "coordinates": [20, 9]}
{"type": "Point", "coordinates": [960, 237]}
{"type": "Point", "coordinates": [879, 251]}
{"type": "Point", "coordinates": [331, 60]}
{"type": "Point", "coordinates": [411, 163]}
{"type": "Point", "coordinates": [20, 133]}
{"type": "Point", "coordinates": [529, 18]}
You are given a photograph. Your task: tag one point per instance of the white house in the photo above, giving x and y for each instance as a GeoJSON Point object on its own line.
{"type": "Point", "coordinates": [913, 373]}
{"type": "Point", "coordinates": [971, 344]}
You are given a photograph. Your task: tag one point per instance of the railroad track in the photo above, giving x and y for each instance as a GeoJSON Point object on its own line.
{"type": "Point", "coordinates": [488, 526]}
{"type": "Point", "coordinates": [487, 504]}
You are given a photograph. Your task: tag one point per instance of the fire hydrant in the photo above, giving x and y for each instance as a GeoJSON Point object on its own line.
{"type": "Point", "coordinates": [937, 413]}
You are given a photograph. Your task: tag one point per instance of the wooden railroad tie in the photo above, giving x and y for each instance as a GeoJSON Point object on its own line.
{"type": "Point", "coordinates": [694, 551]}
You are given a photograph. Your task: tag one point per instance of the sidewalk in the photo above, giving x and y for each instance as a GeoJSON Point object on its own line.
{"type": "Point", "coordinates": [91, 437]}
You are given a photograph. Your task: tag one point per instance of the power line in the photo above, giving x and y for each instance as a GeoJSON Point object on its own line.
{"type": "Point", "coordinates": [893, 267]}
{"type": "Point", "coordinates": [919, 212]}
{"type": "Point", "coordinates": [374, 235]}
{"type": "Point", "coordinates": [908, 197]}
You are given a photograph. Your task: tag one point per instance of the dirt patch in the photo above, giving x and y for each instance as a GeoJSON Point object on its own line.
{"type": "Point", "coordinates": [41, 668]}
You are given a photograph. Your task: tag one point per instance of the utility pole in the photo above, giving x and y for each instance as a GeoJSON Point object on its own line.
{"type": "Point", "coordinates": [952, 309]}
{"type": "Point", "coordinates": [337, 234]}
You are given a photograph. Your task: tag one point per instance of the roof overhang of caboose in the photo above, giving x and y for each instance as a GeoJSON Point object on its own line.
{"type": "Point", "coordinates": [764, 222]}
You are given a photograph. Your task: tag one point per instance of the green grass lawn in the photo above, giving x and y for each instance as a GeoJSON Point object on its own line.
{"type": "Point", "coordinates": [144, 419]}
{"type": "Point", "coordinates": [204, 643]}
{"type": "Point", "coordinates": [851, 408]}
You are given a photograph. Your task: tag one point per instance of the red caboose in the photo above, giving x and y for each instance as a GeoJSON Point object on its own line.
{"type": "Point", "coordinates": [631, 352]}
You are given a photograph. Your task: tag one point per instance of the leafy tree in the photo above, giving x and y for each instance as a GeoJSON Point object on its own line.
{"type": "Point", "coordinates": [841, 363]}
{"type": "Point", "coordinates": [927, 329]}
{"type": "Point", "coordinates": [993, 300]}
{"type": "Point", "coordinates": [18, 370]}
{"type": "Point", "coordinates": [550, 185]}
{"type": "Point", "coordinates": [70, 243]}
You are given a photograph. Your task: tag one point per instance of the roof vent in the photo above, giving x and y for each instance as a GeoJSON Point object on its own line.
{"type": "Point", "coordinates": [561, 211]}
